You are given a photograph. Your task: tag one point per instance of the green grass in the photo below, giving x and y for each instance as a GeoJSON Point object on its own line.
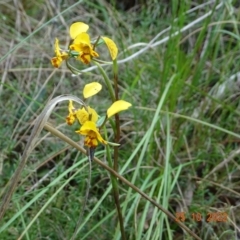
{"type": "Point", "coordinates": [179, 141]}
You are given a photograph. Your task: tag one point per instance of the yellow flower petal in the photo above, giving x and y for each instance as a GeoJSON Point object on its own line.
{"type": "Point", "coordinates": [77, 28]}
{"type": "Point", "coordinates": [91, 89]}
{"type": "Point", "coordinates": [71, 108]}
{"type": "Point", "coordinates": [83, 39]}
{"type": "Point", "coordinates": [118, 106]}
{"type": "Point", "coordinates": [57, 48]}
{"type": "Point", "coordinates": [83, 116]}
{"type": "Point", "coordinates": [113, 50]}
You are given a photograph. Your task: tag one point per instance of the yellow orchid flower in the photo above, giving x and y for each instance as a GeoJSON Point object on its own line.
{"type": "Point", "coordinates": [80, 114]}
{"type": "Point", "coordinates": [60, 56]}
{"type": "Point", "coordinates": [83, 46]}
{"type": "Point", "coordinates": [92, 134]}
{"type": "Point", "coordinates": [88, 117]}
{"type": "Point", "coordinates": [89, 128]}
{"type": "Point", "coordinates": [84, 114]}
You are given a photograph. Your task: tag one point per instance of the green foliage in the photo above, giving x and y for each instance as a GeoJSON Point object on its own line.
{"type": "Point", "coordinates": [179, 141]}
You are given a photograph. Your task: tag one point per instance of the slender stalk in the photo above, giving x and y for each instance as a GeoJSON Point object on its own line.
{"type": "Point", "coordinates": [116, 154]}
{"type": "Point", "coordinates": [116, 194]}
{"type": "Point", "coordinates": [117, 121]}
{"type": "Point", "coordinates": [107, 81]}
{"type": "Point", "coordinates": [115, 77]}
{"type": "Point", "coordinates": [86, 197]}
{"type": "Point", "coordinates": [117, 137]}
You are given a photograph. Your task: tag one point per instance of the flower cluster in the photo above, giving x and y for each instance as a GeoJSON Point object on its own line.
{"type": "Point", "coordinates": [81, 47]}
{"type": "Point", "coordinates": [89, 119]}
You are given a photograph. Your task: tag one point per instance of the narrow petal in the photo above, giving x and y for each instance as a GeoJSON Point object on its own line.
{"type": "Point", "coordinates": [70, 119]}
{"type": "Point", "coordinates": [91, 89]}
{"type": "Point", "coordinates": [118, 106]}
{"type": "Point", "coordinates": [77, 28]}
{"type": "Point", "coordinates": [71, 108]}
{"type": "Point", "coordinates": [57, 48]}
{"type": "Point", "coordinates": [60, 55]}
{"type": "Point", "coordinates": [113, 50]}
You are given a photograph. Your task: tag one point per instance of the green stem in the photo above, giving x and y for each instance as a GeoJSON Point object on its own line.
{"type": "Point", "coordinates": [107, 81]}
{"type": "Point", "coordinates": [77, 228]}
{"type": "Point", "coordinates": [116, 154]}
{"type": "Point", "coordinates": [116, 193]}
{"type": "Point", "coordinates": [117, 121]}
{"type": "Point", "coordinates": [117, 136]}
{"type": "Point", "coordinates": [72, 69]}
{"type": "Point", "coordinates": [115, 76]}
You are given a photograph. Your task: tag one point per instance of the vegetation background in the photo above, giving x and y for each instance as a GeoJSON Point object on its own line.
{"type": "Point", "coordinates": [180, 148]}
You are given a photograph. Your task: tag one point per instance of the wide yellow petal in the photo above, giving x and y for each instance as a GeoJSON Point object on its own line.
{"type": "Point", "coordinates": [82, 38]}
{"type": "Point", "coordinates": [113, 50]}
{"type": "Point", "coordinates": [77, 28]}
{"type": "Point", "coordinates": [83, 115]}
{"type": "Point", "coordinates": [87, 127]}
{"type": "Point", "coordinates": [118, 106]}
{"type": "Point", "coordinates": [91, 89]}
